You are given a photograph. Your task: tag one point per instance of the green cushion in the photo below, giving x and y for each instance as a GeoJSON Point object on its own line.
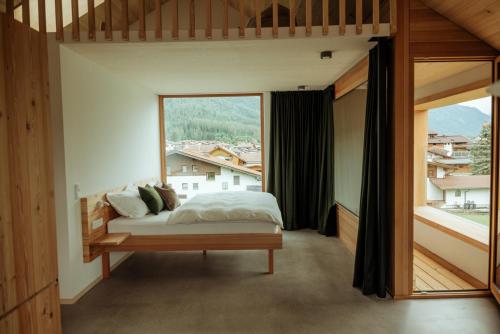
{"type": "Point", "coordinates": [152, 199]}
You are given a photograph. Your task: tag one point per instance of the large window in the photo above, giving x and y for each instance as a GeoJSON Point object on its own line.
{"type": "Point", "coordinates": [212, 142]}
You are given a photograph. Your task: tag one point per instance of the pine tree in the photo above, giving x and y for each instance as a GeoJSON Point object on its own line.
{"type": "Point", "coordinates": [480, 152]}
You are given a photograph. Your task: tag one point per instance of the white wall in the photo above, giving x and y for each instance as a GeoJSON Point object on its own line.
{"type": "Point", "coordinates": [433, 192]}
{"type": "Point", "coordinates": [349, 122]}
{"type": "Point", "coordinates": [470, 259]}
{"type": "Point", "coordinates": [105, 135]}
{"type": "Point", "coordinates": [480, 197]}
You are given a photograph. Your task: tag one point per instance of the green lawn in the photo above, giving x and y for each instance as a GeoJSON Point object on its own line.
{"type": "Point", "coordinates": [483, 219]}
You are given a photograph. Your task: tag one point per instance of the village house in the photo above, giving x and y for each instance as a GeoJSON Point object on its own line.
{"type": "Point", "coordinates": [190, 173]}
{"type": "Point", "coordinates": [223, 153]}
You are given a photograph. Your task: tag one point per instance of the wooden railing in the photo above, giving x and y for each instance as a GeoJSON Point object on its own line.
{"type": "Point", "coordinates": [331, 17]}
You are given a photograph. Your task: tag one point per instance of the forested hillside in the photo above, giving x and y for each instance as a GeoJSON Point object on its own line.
{"type": "Point", "coordinates": [226, 119]}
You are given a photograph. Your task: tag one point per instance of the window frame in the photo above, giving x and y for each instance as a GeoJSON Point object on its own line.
{"type": "Point", "coordinates": [163, 155]}
{"type": "Point", "coordinates": [234, 180]}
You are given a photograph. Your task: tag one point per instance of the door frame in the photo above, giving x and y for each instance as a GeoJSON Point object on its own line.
{"type": "Point", "coordinates": [493, 183]}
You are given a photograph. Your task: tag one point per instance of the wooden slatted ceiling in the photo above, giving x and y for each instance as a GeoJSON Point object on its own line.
{"type": "Point", "coordinates": [175, 19]}
{"type": "Point", "coordinates": [208, 11]}
{"type": "Point", "coordinates": [134, 13]}
{"type": "Point", "coordinates": [158, 24]}
{"type": "Point", "coordinates": [124, 20]}
{"type": "Point", "coordinates": [433, 35]}
{"type": "Point", "coordinates": [141, 12]}
{"type": "Point", "coordinates": [75, 17]}
{"type": "Point", "coordinates": [293, 13]}
{"type": "Point", "coordinates": [479, 17]}
{"type": "Point", "coordinates": [91, 19]}
{"type": "Point", "coordinates": [112, 15]}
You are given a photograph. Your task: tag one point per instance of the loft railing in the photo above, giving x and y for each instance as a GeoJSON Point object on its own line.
{"type": "Point", "coordinates": [255, 18]}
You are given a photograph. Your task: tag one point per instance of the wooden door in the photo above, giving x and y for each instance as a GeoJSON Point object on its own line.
{"type": "Point", "coordinates": [28, 261]}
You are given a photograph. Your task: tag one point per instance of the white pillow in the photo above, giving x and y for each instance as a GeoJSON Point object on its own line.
{"type": "Point", "coordinates": [128, 203]}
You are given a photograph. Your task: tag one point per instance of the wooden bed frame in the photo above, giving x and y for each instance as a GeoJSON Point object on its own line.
{"type": "Point", "coordinates": [98, 242]}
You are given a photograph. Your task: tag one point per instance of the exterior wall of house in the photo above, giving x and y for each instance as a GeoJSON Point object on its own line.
{"type": "Point", "coordinates": [206, 186]}
{"type": "Point", "coordinates": [481, 197]}
{"type": "Point", "coordinates": [433, 192]}
{"type": "Point", "coordinates": [176, 161]}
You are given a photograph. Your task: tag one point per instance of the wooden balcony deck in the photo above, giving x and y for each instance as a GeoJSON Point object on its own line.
{"type": "Point", "coordinates": [429, 275]}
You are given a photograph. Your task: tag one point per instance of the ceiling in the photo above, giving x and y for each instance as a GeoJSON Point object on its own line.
{"type": "Point", "coordinates": [228, 66]}
{"type": "Point", "coordinates": [426, 73]}
{"type": "Point", "coordinates": [439, 84]}
{"type": "Point", "coordinates": [479, 17]}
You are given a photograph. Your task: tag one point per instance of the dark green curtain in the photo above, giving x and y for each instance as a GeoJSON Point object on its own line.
{"type": "Point", "coordinates": [301, 158]}
{"type": "Point", "coordinates": [372, 250]}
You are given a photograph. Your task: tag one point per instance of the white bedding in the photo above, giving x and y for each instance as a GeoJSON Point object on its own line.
{"type": "Point", "coordinates": [157, 225]}
{"type": "Point", "coordinates": [232, 206]}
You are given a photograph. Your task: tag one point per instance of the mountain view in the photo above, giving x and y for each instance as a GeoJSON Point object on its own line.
{"type": "Point", "coordinates": [457, 120]}
{"type": "Point", "coordinates": [225, 119]}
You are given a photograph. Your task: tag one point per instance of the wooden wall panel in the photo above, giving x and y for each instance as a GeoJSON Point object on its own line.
{"type": "Point", "coordinates": [28, 261]}
{"type": "Point", "coordinates": [347, 223]}
{"type": "Point", "coordinates": [40, 315]}
{"type": "Point", "coordinates": [402, 154]}
{"type": "Point", "coordinates": [353, 78]}
{"type": "Point", "coordinates": [8, 298]}
{"type": "Point", "coordinates": [434, 35]}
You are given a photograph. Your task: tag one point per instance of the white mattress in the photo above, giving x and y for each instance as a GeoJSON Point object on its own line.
{"type": "Point", "coordinates": [157, 225]}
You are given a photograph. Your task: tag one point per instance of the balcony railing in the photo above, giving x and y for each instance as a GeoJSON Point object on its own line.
{"type": "Point", "coordinates": [156, 20]}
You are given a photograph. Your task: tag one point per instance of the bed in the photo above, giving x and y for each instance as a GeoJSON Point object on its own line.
{"type": "Point", "coordinates": [203, 223]}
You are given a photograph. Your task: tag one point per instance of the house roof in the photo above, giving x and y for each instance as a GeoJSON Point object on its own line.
{"type": "Point", "coordinates": [439, 151]}
{"type": "Point", "coordinates": [252, 157]}
{"type": "Point", "coordinates": [228, 151]}
{"type": "Point", "coordinates": [449, 139]}
{"type": "Point", "coordinates": [462, 182]}
{"type": "Point", "coordinates": [438, 164]}
{"type": "Point", "coordinates": [215, 161]}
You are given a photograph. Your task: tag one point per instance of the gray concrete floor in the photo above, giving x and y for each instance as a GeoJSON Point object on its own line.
{"type": "Point", "coordinates": [228, 292]}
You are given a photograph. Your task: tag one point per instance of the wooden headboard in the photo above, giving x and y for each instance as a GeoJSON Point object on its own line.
{"type": "Point", "coordinates": [92, 209]}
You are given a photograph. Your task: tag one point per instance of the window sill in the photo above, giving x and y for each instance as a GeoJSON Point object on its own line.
{"type": "Point", "coordinates": [466, 230]}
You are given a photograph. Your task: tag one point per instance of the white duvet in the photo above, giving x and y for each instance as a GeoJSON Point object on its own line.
{"type": "Point", "coordinates": [234, 206]}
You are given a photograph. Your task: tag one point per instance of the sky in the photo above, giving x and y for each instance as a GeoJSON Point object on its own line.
{"type": "Point", "coordinates": [483, 104]}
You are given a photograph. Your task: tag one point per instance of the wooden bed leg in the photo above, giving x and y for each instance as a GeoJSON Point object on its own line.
{"type": "Point", "coordinates": [270, 259]}
{"type": "Point", "coordinates": [105, 265]}
{"type": "Point", "coordinates": [204, 252]}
